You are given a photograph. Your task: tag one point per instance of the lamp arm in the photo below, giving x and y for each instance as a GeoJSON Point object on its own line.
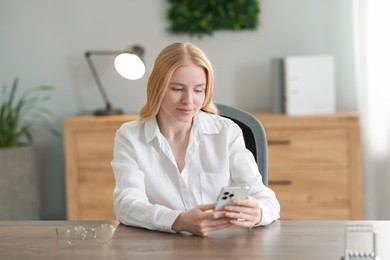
{"type": "Point", "coordinates": [137, 50]}
{"type": "Point", "coordinates": [97, 79]}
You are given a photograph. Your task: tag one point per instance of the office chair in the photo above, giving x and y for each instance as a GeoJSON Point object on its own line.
{"type": "Point", "coordinates": [254, 136]}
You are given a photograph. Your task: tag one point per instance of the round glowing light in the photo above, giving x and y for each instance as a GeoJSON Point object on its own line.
{"type": "Point", "coordinates": [129, 66]}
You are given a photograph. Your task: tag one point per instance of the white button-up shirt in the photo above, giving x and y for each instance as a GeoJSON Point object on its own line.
{"type": "Point", "coordinates": [150, 191]}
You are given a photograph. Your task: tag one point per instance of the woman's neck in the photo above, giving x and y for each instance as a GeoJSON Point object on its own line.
{"type": "Point", "coordinates": [174, 130]}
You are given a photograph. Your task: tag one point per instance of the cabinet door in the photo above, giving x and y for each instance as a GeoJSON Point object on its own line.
{"type": "Point", "coordinates": [95, 177]}
{"type": "Point", "coordinates": [95, 194]}
{"type": "Point", "coordinates": [308, 170]}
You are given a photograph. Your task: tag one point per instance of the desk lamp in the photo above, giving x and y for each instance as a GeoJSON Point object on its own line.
{"type": "Point", "coordinates": [129, 64]}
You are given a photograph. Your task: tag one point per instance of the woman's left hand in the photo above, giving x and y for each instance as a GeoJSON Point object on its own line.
{"type": "Point", "coordinates": [244, 212]}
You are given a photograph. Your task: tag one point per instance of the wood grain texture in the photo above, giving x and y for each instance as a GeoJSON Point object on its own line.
{"type": "Point", "coordinates": [88, 142]}
{"type": "Point", "coordinates": [314, 165]}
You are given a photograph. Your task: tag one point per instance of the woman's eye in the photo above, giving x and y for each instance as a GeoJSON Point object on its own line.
{"type": "Point", "coordinates": [177, 89]}
{"type": "Point", "coordinates": [199, 90]}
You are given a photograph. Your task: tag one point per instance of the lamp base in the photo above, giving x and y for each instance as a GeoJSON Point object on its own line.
{"type": "Point", "coordinates": [108, 112]}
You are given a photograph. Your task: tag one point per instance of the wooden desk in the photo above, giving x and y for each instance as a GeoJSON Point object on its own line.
{"type": "Point", "coordinates": [282, 240]}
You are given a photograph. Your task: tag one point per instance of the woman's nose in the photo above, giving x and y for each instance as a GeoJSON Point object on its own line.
{"type": "Point", "coordinates": [187, 97]}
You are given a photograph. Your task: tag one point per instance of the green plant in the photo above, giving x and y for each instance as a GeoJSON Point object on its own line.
{"type": "Point", "coordinates": [203, 17]}
{"type": "Point", "coordinates": [18, 116]}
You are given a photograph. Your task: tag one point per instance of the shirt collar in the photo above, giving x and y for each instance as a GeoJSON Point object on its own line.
{"type": "Point", "coordinates": [202, 122]}
{"type": "Point", "coordinates": [151, 129]}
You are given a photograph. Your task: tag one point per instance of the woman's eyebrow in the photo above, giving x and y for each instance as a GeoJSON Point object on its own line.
{"type": "Point", "coordinates": [176, 83]}
{"type": "Point", "coordinates": [182, 84]}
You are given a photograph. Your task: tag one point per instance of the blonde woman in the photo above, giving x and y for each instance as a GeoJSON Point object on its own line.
{"type": "Point", "coordinates": [170, 164]}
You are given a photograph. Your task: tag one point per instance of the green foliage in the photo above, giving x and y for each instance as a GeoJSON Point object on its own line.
{"type": "Point", "coordinates": [197, 17]}
{"type": "Point", "coordinates": [18, 116]}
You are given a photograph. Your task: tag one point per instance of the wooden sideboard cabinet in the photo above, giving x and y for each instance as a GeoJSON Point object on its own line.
{"type": "Point", "coordinates": [88, 142]}
{"type": "Point", "coordinates": [314, 165]}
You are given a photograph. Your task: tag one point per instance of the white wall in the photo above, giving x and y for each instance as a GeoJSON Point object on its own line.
{"type": "Point", "coordinates": [43, 41]}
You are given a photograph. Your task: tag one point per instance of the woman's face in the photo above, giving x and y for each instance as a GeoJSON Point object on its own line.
{"type": "Point", "coordinates": [185, 94]}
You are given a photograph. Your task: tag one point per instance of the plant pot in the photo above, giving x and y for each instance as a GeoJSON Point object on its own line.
{"type": "Point", "coordinates": [19, 184]}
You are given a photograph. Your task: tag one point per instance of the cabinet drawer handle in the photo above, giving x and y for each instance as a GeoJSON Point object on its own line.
{"type": "Point", "coordinates": [280, 183]}
{"type": "Point", "coordinates": [278, 142]}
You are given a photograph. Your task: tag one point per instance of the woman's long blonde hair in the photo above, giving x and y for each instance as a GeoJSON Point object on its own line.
{"type": "Point", "coordinates": [171, 58]}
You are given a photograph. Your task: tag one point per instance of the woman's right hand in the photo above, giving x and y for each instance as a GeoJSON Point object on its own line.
{"type": "Point", "coordinates": [201, 220]}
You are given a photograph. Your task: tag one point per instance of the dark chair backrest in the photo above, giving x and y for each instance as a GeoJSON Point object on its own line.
{"type": "Point", "coordinates": [254, 135]}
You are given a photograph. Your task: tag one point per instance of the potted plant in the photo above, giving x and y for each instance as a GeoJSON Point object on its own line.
{"type": "Point", "coordinates": [19, 174]}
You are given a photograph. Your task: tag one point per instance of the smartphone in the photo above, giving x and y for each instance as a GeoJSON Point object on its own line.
{"type": "Point", "coordinates": [227, 194]}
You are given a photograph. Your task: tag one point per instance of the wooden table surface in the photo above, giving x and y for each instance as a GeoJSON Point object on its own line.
{"type": "Point", "coordinates": [281, 240]}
